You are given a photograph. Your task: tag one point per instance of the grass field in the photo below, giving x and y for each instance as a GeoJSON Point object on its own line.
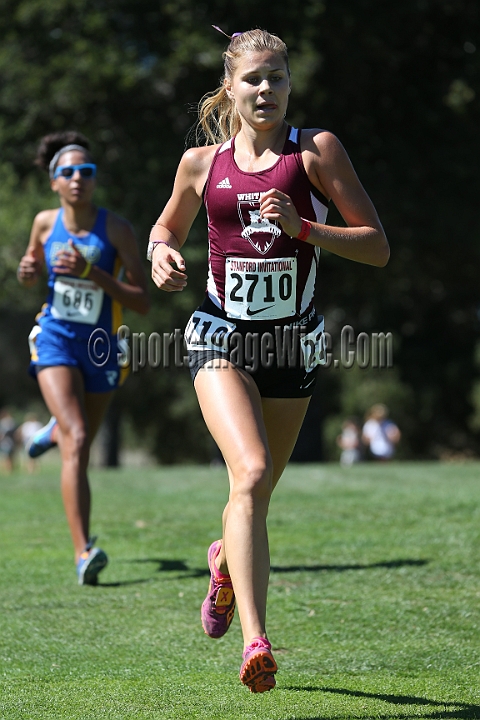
{"type": "Point", "coordinates": [373, 603]}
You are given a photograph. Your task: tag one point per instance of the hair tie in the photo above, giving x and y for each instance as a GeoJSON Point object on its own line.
{"type": "Point", "coordinates": [230, 37]}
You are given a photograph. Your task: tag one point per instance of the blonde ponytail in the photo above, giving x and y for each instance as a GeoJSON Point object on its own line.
{"type": "Point", "coordinates": [218, 119]}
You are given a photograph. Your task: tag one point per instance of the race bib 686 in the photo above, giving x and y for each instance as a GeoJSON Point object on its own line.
{"type": "Point", "coordinates": [77, 300]}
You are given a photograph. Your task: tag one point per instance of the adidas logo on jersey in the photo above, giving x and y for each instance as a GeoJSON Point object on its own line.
{"type": "Point", "coordinates": [224, 184]}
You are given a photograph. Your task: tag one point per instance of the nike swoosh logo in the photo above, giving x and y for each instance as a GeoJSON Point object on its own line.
{"type": "Point", "coordinates": [255, 312]}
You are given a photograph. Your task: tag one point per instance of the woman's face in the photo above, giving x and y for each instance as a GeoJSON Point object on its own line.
{"type": "Point", "coordinates": [260, 88]}
{"type": "Point", "coordinates": [76, 190]}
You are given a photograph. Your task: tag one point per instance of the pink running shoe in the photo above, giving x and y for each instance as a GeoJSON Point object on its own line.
{"type": "Point", "coordinates": [259, 666]}
{"type": "Point", "coordinates": [218, 607]}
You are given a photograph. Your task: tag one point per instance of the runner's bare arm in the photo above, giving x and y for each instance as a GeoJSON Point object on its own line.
{"type": "Point", "coordinates": [31, 264]}
{"type": "Point", "coordinates": [132, 294]}
{"type": "Point", "coordinates": [330, 171]}
{"type": "Point", "coordinates": [173, 225]}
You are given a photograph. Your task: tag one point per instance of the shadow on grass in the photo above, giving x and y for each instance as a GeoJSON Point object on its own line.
{"type": "Point", "coordinates": [163, 566]}
{"type": "Point", "coordinates": [181, 566]}
{"type": "Point", "coordinates": [450, 709]}
{"type": "Point", "coordinates": [342, 568]}
{"type": "Point", "coordinates": [174, 566]}
{"type": "Point", "coordinates": [122, 583]}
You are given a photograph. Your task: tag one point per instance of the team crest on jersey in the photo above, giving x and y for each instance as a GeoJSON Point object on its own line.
{"type": "Point", "coordinates": [91, 253]}
{"type": "Point", "coordinates": [259, 232]}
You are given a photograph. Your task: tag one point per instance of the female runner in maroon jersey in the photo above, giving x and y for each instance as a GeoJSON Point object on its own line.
{"type": "Point", "coordinates": [266, 187]}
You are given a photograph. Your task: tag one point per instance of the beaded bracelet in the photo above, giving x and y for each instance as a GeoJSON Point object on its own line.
{"type": "Point", "coordinates": [305, 230]}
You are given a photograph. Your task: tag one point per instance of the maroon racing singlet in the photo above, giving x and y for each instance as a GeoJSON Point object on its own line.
{"type": "Point", "coordinates": [257, 271]}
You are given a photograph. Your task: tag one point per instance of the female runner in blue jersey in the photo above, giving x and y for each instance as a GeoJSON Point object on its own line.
{"type": "Point", "coordinates": [266, 187]}
{"type": "Point", "coordinates": [86, 250]}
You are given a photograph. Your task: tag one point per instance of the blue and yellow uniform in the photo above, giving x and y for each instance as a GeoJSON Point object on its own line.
{"type": "Point", "coordinates": [77, 326]}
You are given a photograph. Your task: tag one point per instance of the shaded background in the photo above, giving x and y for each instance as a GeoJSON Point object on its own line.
{"type": "Point", "coordinates": [399, 85]}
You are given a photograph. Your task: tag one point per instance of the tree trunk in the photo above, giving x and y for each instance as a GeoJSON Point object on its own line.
{"type": "Point", "coordinates": [110, 435]}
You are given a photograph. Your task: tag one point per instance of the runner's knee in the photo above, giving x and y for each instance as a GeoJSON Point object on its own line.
{"type": "Point", "coordinates": [254, 479]}
{"type": "Point", "coordinates": [75, 439]}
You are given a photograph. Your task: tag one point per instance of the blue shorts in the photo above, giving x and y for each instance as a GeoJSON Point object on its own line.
{"type": "Point", "coordinates": [95, 357]}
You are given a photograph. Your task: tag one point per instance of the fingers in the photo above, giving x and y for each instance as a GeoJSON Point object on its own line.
{"type": "Point", "coordinates": [273, 192]}
{"type": "Point", "coordinates": [69, 261]}
{"type": "Point", "coordinates": [168, 284]}
{"type": "Point", "coordinates": [275, 205]}
{"type": "Point", "coordinates": [28, 263]}
{"type": "Point", "coordinates": [168, 280]}
{"type": "Point", "coordinates": [28, 267]}
{"type": "Point", "coordinates": [65, 263]}
{"type": "Point", "coordinates": [164, 274]}
{"type": "Point", "coordinates": [177, 259]}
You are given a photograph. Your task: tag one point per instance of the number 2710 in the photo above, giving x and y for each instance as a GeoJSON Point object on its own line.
{"type": "Point", "coordinates": [285, 287]}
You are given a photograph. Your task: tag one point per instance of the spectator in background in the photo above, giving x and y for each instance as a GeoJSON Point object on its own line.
{"type": "Point", "coordinates": [350, 442]}
{"type": "Point", "coordinates": [380, 434]}
{"type": "Point", "coordinates": [7, 439]}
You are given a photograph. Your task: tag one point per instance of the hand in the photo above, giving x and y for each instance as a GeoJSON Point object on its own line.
{"type": "Point", "coordinates": [164, 275]}
{"type": "Point", "coordinates": [28, 269]}
{"type": "Point", "coordinates": [275, 205]}
{"type": "Point", "coordinates": [69, 262]}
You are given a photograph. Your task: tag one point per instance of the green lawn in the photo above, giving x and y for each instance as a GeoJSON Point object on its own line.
{"type": "Point", "coordinates": [373, 604]}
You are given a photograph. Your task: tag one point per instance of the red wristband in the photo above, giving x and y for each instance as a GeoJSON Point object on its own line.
{"type": "Point", "coordinates": [305, 230]}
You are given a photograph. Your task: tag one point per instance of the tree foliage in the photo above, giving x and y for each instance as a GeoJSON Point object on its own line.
{"type": "Point", "coordinates": [398, 84]}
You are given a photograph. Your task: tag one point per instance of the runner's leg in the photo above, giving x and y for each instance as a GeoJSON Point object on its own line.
{"type": "Point", "coordinates": [62, 388]}
{"type": "Point", "coordinates": [233, 411]}
{"type": "Point", "coordinates": [231, 406]}
{"type": "Point", "coordinates": [96, 405]}
{"type": "Point", "coordinates": [283, 418]}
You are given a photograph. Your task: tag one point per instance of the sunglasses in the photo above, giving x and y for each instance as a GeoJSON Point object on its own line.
{"type": "Point", "coordinates": [86, 170]}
